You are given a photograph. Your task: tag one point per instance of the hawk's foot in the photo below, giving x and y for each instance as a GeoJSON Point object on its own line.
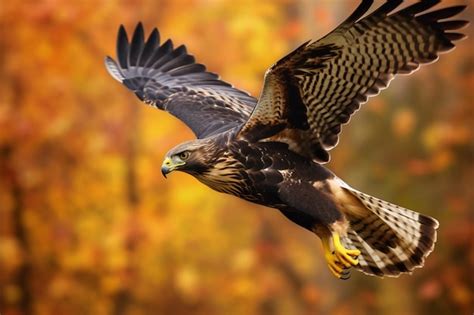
{"type": "Point", "coordinates": [339, 258]}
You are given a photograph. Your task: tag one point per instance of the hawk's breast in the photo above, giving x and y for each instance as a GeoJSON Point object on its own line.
{"type": "Point", "coordinates": [225, 175]}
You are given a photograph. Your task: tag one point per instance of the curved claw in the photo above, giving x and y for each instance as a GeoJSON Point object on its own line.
{"type": "Point", "coordinates": [346, 274]}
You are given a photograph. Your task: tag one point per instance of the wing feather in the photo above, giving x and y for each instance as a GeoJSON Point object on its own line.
{"type": "Point", "coordinates": [325, 82]}
{"type": "Point", "coordinates": [170, 79]}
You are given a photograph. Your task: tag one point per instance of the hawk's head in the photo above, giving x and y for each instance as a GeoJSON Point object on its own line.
{"type": "Point", "coordinates": [193, 157]}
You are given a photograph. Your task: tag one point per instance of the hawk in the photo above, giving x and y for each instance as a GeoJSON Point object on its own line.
{"type": "Point", "coordinates": [271, 150]}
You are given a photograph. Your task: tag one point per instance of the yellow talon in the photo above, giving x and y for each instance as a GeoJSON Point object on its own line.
{"type": "Point", "coordinates": [348, 257]}
{"type": "Point", "coordinates": [341, 259]}
{"type": "Point", "coordinates": [333, 264]}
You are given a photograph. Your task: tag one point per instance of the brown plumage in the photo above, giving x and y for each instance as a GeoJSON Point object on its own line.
{"type": "Point", "coordinates": [270, 151]}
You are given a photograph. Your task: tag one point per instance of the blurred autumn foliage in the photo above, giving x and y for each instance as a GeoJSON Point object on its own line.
{"type": "Point", "coordinates": [89, 226]}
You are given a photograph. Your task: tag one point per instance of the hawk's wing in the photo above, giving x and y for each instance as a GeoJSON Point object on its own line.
{"type": "Point", "coordinates": [311, 92]}
{"type": "Point", "coordinates": [169, 79]}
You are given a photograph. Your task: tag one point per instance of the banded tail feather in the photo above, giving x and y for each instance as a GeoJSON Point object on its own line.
{"type": "Point", "coordinates": [392, 240]}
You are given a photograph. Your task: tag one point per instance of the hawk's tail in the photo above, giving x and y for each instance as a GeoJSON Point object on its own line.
{"type": "Point", "coordinates": [392, 240]}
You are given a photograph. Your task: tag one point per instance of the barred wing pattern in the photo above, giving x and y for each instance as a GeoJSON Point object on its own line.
{"type": "Point", "coordinates": [169, 79]}
{"type": "Point", "coordinates": [311, 92]}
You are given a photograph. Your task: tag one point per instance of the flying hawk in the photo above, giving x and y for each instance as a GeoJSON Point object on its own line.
{"type": "Point", "coordinates": [270, 150]}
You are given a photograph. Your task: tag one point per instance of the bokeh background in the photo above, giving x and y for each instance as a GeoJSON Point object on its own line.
{"type": "Point", "coordinates": [88, 225]}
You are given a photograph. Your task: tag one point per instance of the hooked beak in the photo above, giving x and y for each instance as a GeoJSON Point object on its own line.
{"type": "Point", "coordinates": [167, 166]}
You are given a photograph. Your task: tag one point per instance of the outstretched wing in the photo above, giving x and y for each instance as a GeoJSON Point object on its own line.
{"type": "Point", "coordinates": [311, 92]}
{"type": "Point", "coordinates": [169, 79]}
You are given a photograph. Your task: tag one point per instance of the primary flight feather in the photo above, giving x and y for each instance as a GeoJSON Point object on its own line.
{"type": "Point", "coordinates": [269, 151]}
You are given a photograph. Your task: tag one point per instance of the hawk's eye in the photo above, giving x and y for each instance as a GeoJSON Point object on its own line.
{"type": "Point", "coordinates": [184, 155]}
